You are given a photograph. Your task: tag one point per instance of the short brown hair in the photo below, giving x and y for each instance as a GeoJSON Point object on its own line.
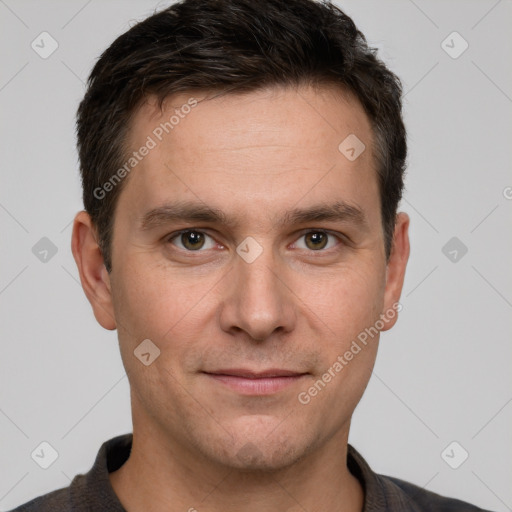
{"type": "Point", "coordinates": [233, 46]}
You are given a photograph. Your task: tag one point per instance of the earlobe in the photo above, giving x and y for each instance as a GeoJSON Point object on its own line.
{"type": "Point", "coordinates": [93, 274]}
{"type": "Point", "coordinates": [395, 271]}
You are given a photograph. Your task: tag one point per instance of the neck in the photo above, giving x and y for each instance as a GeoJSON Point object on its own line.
{"type": "Point", "coordinates": [174, 479]}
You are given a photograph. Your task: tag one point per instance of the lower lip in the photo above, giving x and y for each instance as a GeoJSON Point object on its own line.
{"type": "Point", "coordinates": [263, 386]}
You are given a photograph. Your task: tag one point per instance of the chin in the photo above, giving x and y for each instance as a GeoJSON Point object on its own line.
{"type": "Point", "coordinates": [252, 458]}
{"type": "Point", "coordinates": [262, 457]}
{"type": "Point", "coordinates": [268, 446]}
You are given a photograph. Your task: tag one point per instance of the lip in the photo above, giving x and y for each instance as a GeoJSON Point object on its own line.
{"type": "Point", "coordinates": [249, 382]}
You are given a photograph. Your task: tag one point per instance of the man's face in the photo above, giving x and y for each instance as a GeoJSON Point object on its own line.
{"type": "Point", "coordinates": [284, 306]}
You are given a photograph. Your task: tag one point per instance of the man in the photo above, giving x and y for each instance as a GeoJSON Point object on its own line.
{"type": "Point", "coordinates": [242, 165]}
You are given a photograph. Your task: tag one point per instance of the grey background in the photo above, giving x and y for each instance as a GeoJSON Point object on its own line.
{"type": "Point", "coordinates": [442, 374]}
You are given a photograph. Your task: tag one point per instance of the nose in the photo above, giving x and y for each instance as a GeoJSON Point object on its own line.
{"type": "Point", "coordinates": [257, 299]}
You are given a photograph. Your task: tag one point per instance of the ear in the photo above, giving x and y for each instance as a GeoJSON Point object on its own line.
{"type": "Point", "coordinates": [93, 274]}
{"type": "Point", "coordinates": [395, 271]}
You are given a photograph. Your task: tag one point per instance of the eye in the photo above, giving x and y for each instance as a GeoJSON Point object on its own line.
{"type": "Point", "coordinates": [192, 240]}
{"type": "Point", "coordinates": [318, 240]}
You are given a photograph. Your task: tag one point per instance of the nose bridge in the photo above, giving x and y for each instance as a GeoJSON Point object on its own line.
{"type": "Point", "coordinates": [260, 277]}
{"type": "Point", "coordinates": [258, 302]}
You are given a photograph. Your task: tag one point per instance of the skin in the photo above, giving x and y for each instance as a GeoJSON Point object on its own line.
{"type": "Point", "coordinates": [198, 443]}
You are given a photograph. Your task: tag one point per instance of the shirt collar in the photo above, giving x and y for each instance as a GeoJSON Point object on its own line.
{"type": "Point", "coordinates": [380, 493]}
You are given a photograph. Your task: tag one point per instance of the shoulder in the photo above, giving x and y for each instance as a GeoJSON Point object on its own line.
{"type": "Point", "coordinates": [422, 500]}
{"type": "Point", "coordinates": [384, 492]}
{"type": "Point", "coordinates": [87, 491]}
{"type": "Point", "coordinates": [55, 501]}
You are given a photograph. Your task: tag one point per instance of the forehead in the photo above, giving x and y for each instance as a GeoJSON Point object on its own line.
{"type": "Point", "coordinates": [316, 116]}
{"type": "Point", "coordinates": [274, 146]}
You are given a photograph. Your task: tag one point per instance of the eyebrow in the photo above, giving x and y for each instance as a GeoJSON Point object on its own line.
{"type": "Point", "coordinates": [192, 212]}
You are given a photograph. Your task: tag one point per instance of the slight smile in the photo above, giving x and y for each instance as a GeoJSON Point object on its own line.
{"type": "Point", "coordinates": [247, 382]}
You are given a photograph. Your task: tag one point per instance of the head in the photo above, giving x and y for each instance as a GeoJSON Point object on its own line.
{"type": "Point", "coordinates": [272, 133]}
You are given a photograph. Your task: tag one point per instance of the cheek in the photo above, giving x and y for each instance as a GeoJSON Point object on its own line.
{"type": "Point", "coordinates": [346, 302]}
{"type": "Point", "coordinates": [160, 305]}
{"type": "Point", "coordinates": [348, 305]}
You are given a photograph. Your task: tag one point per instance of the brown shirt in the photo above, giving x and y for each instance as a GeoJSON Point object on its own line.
{"type": "Point", "coordinates": [92, 492]}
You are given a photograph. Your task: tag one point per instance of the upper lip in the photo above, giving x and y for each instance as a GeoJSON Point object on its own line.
{"type": "Point", "coordinates": [252, 374]}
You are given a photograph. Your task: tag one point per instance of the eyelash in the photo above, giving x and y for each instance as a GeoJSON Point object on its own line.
{"type": "Point", "coordinates": [338, 236]}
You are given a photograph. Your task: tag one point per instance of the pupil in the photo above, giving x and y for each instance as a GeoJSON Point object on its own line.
{"type": "Point", "coordinates": [318, 240]}
{"type": "Point", "coordinates": [192, 239]}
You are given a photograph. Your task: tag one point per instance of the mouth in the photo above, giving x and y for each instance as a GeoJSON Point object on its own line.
{"type": "Point", "coordinates": [249, 382]}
